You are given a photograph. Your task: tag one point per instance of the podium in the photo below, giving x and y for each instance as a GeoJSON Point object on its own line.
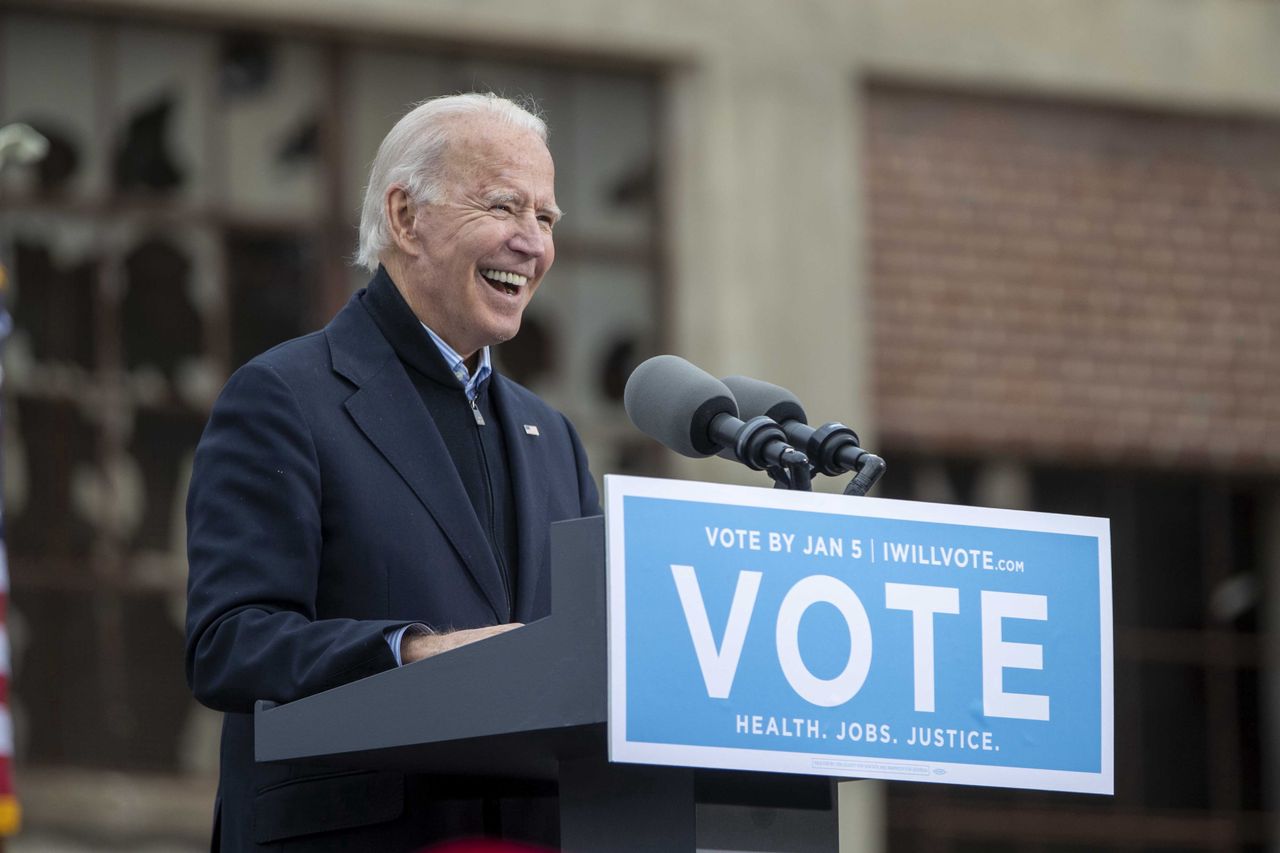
{"type": "Point", "coordinates": [531, 705]}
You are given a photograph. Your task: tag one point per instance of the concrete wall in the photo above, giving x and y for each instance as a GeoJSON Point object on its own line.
{"type": "Point", "coordinates": [765, 227]}
{"type": "Point", "coordinates": [763, 230]}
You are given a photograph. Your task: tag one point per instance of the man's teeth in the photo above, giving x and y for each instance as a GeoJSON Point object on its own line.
{"type": "Point", "coordinates": [503, 277]}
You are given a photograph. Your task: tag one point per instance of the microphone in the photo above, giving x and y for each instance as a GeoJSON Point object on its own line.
{"type": "Point", "coordinates": [691, 412]}
{"type": "Point", "coordinates": [832, 448]}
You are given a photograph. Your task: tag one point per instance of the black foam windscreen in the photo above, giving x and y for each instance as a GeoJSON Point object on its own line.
{"type": "Point", "coordinates": [673, 401]}
{"type": "Point", "coordinates": [757, 397]}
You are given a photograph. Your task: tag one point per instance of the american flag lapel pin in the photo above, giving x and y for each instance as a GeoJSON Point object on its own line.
{"type": "Point", "coordinates": [531, 429]}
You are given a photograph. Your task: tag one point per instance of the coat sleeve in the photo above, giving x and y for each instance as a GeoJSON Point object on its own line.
{"type": "Point", "coordinates": [588, 494]}
{"type": "Point", "coordinates": [254, 551]}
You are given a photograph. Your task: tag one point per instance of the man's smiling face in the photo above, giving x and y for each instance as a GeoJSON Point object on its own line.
{"type": "Point", "coordinates": [482, 249]}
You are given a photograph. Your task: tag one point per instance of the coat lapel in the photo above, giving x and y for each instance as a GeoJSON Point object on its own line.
{"type": "Point", "coordinates": [388, 410]}
{"type": "Point", "coordinates": [527, 479]}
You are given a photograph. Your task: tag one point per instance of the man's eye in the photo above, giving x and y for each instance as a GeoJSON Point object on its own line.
{"type": "Point", "coordinates": [547, 222]}
{"type": "Point", "coordinates": [505, 208]}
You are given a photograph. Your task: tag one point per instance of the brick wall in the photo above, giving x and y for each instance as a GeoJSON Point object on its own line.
{"type": "Point", "coordinates": [1074, 281]}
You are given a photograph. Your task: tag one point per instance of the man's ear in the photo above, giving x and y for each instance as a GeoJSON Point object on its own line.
{"type": "Point", "coordinates": [401, 215]}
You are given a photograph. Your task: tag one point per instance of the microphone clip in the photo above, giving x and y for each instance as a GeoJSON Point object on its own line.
{"type": "Point", "coordinates": [761, 445]}
{"type": "Point", "coordinates": [795, 474]}
{"type": "Point", "coordinates": [829, 441]}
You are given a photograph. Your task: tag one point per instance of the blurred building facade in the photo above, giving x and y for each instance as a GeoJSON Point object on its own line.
{"type": "Point", "coordinates": [1030, 249]}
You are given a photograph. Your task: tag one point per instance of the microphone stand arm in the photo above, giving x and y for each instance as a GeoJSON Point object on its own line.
{"type": "Point", "coordinates": [869, 470]}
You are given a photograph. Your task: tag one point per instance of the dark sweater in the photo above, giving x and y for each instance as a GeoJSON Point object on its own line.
{"type": "Point", "coordinates": [479, 452]}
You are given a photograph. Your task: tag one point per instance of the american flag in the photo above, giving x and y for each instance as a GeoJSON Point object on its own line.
{"type": "Point", "coordinates": [10, 812]}
{"type": "Point", "coordinates": [21, 145]}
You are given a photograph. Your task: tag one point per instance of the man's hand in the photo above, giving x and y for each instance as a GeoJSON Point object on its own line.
{"type": "Point", "coordinates": [418, 646]}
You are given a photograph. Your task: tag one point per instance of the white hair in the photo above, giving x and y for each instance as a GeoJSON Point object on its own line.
{"type": "Point", "coordinates": [412, 155]}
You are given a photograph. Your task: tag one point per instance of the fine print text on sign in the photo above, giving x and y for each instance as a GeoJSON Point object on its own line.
{"type": "Point", "coordinates": [794, 632]}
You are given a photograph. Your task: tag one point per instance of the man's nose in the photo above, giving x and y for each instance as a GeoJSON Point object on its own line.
{"type": "Point", "coordinates": [529, 237]}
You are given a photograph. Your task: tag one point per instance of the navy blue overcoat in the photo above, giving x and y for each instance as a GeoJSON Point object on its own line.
{"type": "Point", "coordinates": [324, 508]}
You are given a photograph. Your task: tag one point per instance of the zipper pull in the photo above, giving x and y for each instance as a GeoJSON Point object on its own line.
{"type": "Point", "coordinates": [475, 413]}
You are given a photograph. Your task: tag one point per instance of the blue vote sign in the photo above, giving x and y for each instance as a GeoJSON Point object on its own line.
{"type": "Point", "coordinates": [757, 629]}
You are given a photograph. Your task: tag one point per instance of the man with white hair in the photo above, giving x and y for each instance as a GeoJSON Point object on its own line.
{"type": "Point", "coordinates": [373, 493]}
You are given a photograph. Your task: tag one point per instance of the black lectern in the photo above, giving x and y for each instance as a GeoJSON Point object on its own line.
{"type": "Point", "coordinates": [529, 704]}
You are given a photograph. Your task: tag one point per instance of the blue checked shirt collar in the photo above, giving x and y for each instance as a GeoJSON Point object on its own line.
{"type": "Point", "coordinates": [470, 384]}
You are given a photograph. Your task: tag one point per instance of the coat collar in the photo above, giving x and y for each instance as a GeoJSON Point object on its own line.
{"type": "Point", "coordinates": [404, 331]}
